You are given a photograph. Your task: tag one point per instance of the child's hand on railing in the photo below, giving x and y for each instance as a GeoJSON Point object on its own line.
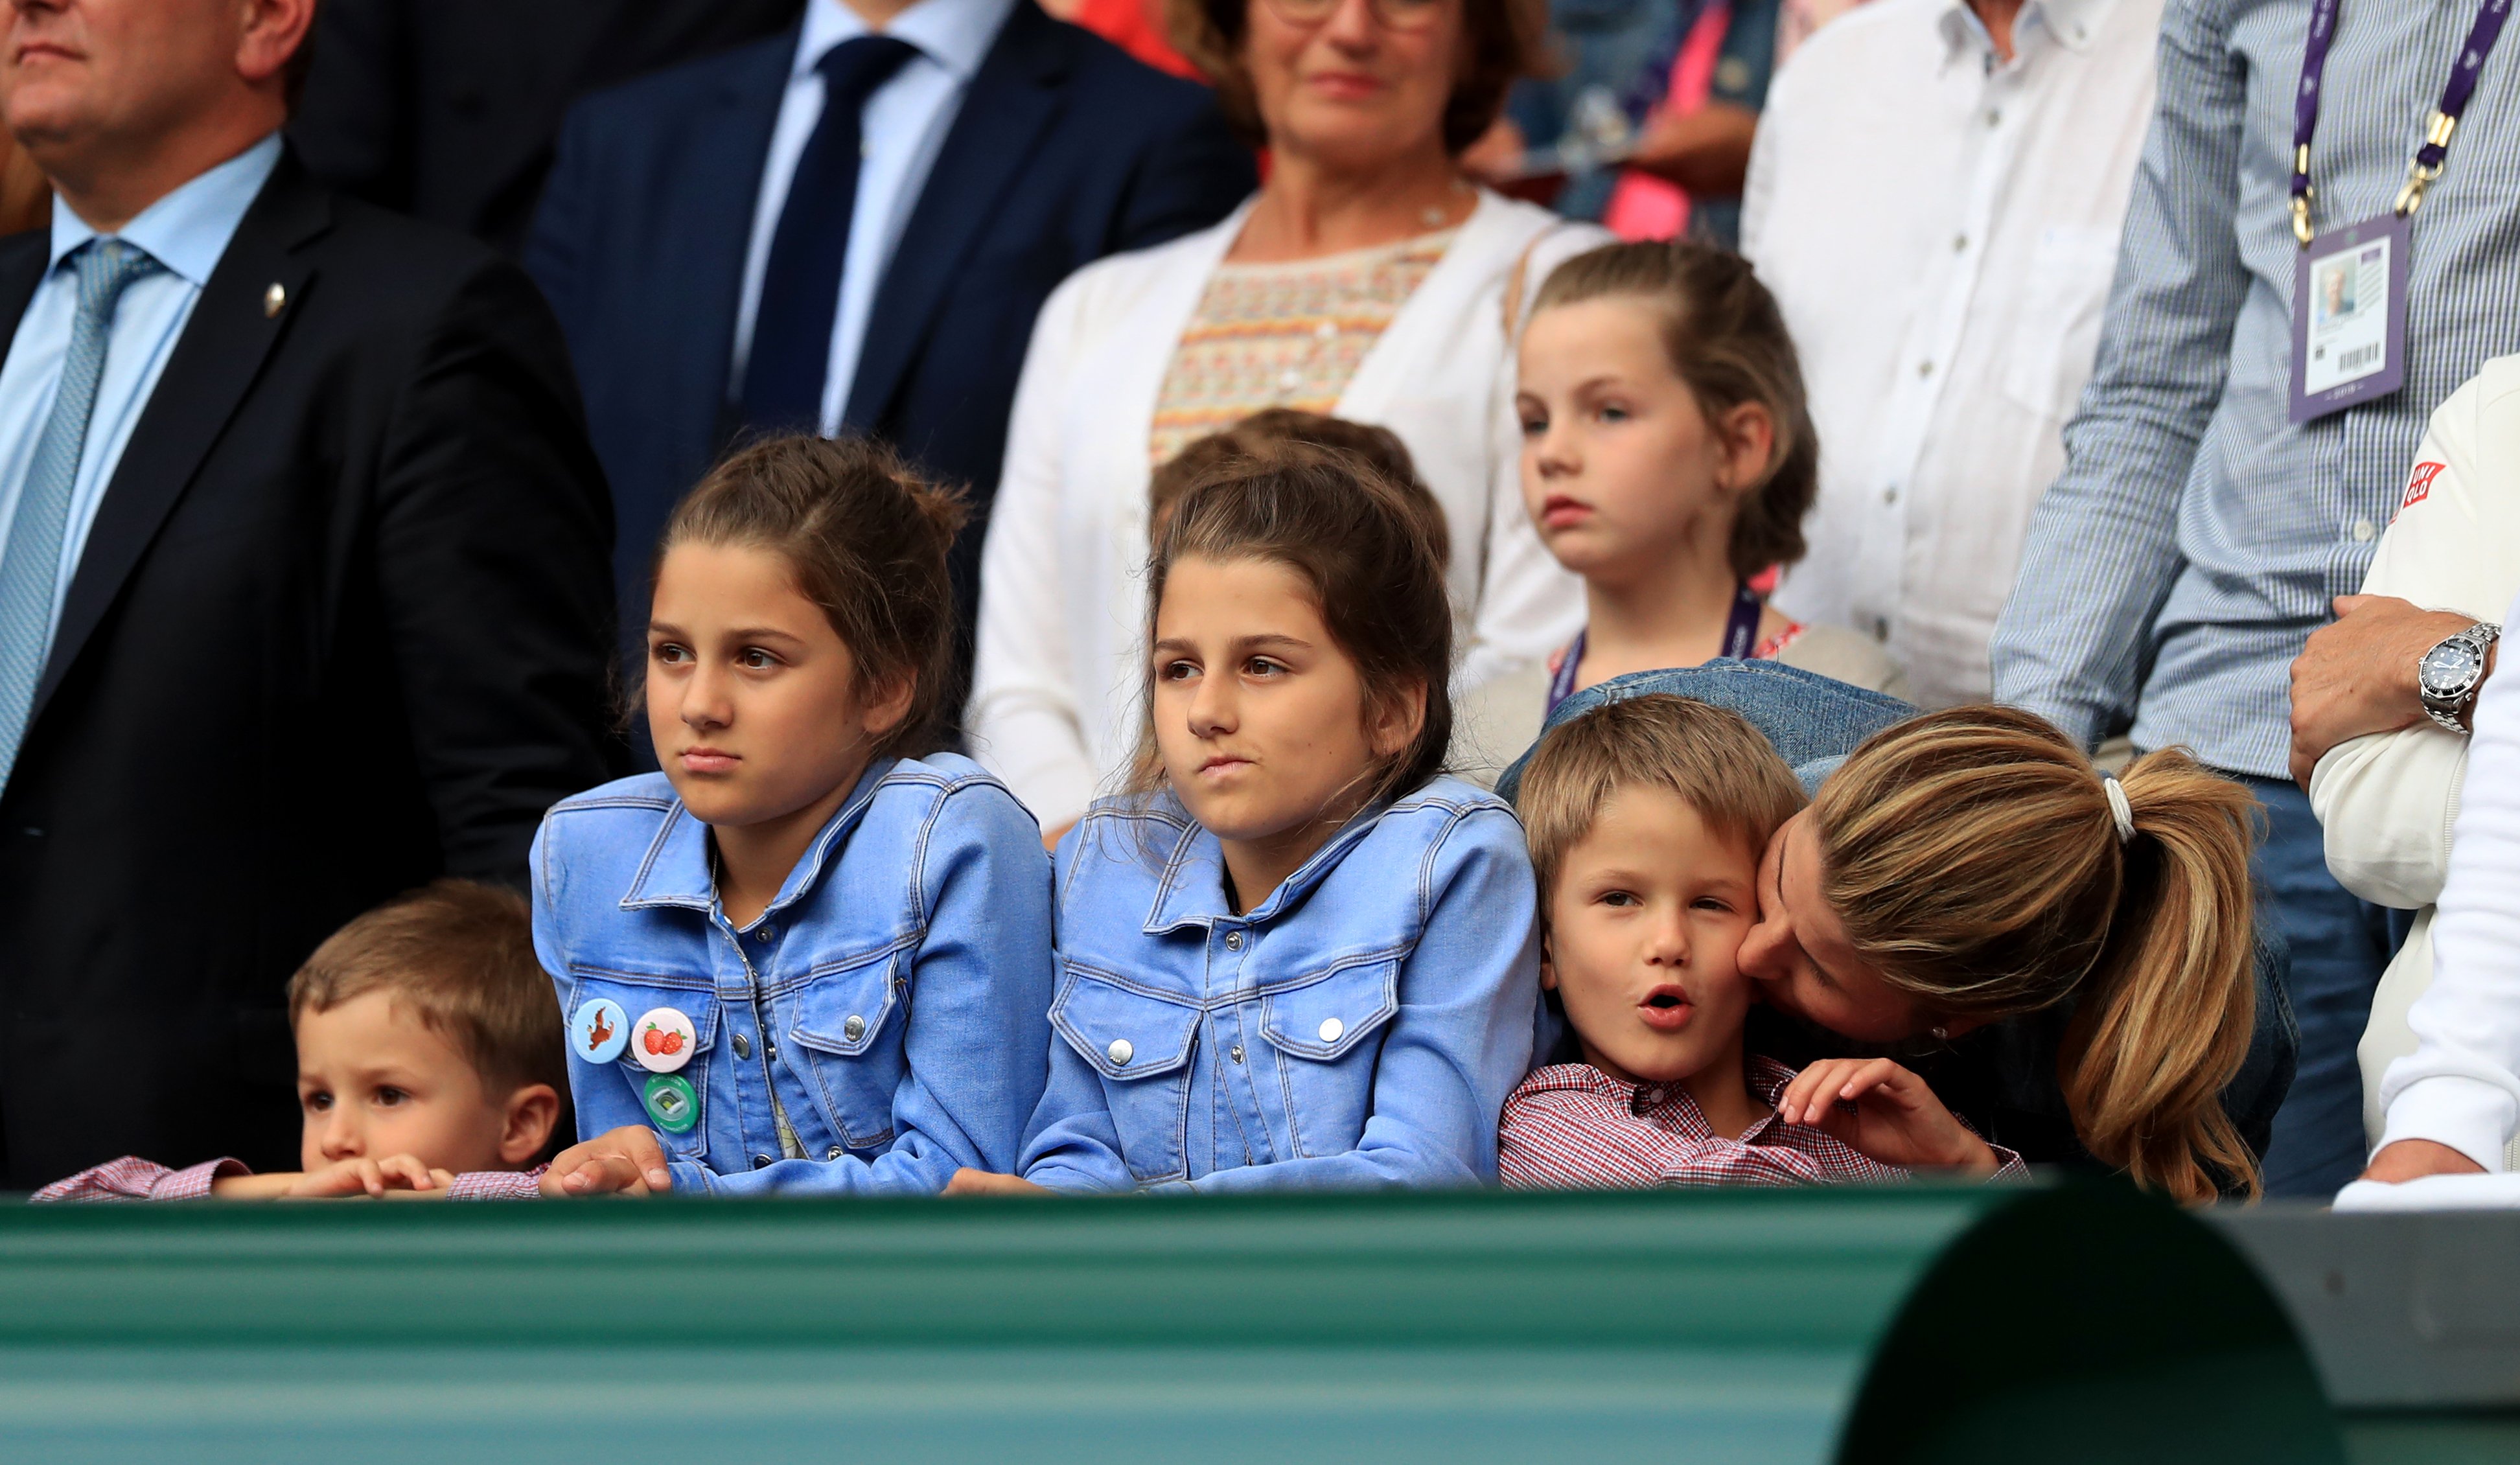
{"type": "Point", "coordinates": [970, 1182]}
{"type": "Point", "coordinates": [361, 1175]}
{"type": "Point", "coordinates": [627, 1161]}
{"type": "Point", "coordinates": [1876, 1107]}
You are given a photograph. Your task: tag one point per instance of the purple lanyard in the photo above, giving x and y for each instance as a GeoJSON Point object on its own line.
{"type": "Point", "coordinates": [1740, 638]}
{"type": "Point", "coordinates": [2427, 166]}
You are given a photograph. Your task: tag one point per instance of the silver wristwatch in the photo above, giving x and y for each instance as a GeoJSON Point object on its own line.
{"type": "Point", "coordinates": [2448, 675]}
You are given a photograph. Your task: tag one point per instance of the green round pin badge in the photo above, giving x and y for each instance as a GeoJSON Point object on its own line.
{"type": "Point", "coordinates": [670, 1102]}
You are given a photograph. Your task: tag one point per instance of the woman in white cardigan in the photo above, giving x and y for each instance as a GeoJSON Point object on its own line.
{"type": "Point", "coordinates": [2387, 778]}
{"type": "Point", "coordinates": [1367, 279]}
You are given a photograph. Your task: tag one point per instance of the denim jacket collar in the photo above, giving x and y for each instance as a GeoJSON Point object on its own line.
{"type": "Point", "coordinates": [1192, 892]}
{"type": "Point", "coordinates": [676, 870]}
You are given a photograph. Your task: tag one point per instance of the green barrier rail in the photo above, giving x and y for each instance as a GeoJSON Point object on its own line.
{"type": "Point", "coordinates": [2063, 1323]}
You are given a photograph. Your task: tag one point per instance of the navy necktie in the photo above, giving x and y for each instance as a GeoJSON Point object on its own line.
{"type": "Point", "coordinates": [801, 288]}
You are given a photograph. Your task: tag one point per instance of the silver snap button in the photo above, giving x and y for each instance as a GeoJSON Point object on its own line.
{"type": "Point", "coordinates": [1236, 1052]}
{"type": "Point", "coordinates": [854, 1029]}
{"type": "Point", "coordinates": [742, 1047]}
{"type": "Point", "coordinates": [833, 1153]}
{"type": "Point", "coordinates": [1120, 1052]}
{"type": "Point", "coordinates": [761, 1162]}
{"type": "Point", "coordinates": [1234, 941]}
{"type": "Point", "coordinates": [1333, 1029]}
{"type": "Point", "coordinates": [765, 932]}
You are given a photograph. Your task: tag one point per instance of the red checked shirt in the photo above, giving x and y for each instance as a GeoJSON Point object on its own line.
{"type": "Point", "coordinates": [1572, 1127]}
{"type": "Point", "coordinates": [132, 1179]}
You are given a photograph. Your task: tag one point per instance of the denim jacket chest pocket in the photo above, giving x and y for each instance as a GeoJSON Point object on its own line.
{"type": "Point", "coordinates": [1328, 1027]}
{"type": "Point", "coordinates": [1138, 1042]}
{"type": "Point", "coordinates": [641, 993]}
{"type": "Point", "coordinates": [846, 1041]}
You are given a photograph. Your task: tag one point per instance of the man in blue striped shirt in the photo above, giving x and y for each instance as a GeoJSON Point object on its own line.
{"type": "Point", "coordinates": [2197, 536]}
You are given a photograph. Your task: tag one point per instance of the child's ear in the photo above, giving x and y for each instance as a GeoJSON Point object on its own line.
{"type": "Point", "coordinates": [889, 704]}
{"type": "Point", "coordinates": [1392, 722]}
{"type": "Point", "coordinates": [1548, 965]}
{"type": "Point", "coordinates": [1749, 433]}
{"type": "Point", "coordinates": [532, 1112]}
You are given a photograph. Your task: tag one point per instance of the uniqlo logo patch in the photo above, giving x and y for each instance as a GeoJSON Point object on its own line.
{"type": "Point", "coordinates": [2420, 484]}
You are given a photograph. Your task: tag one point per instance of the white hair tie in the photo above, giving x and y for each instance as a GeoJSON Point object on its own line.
{"type": "Point", "coordinates": [2119, 809]}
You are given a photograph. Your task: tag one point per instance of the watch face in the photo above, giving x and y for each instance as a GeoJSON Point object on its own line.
{"type": "Point", "coordinates": [2448, 668]}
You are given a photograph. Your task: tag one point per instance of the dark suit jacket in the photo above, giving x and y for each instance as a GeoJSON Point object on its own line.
{"type": "Point", "coordinates": [447, 109]}
{"type": "Point", "coordinates": [340, 627]}
{"type": "Point", "coordinates": [1065, 149]}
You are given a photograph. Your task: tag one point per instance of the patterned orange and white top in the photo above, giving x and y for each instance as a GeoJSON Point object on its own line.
{"type": "Point", "coordinates": [1285, 335]}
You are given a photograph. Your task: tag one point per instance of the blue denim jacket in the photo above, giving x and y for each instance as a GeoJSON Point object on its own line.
{"type": "Point", "coordinates": [2003, 1075]}
{"type": "Point", "coordinates": [891, 996]}
{"type": "Point", "coordinates": [1360, 1027]}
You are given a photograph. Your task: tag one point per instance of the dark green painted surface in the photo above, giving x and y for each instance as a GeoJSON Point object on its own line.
{"type": "Point", "coordinates": [1916, 1323]}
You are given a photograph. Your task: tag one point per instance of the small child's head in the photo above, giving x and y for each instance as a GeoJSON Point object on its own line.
{"type": "Point", "coordinates": [1646, 819]}
{"type": "Point", "coordinates": [1662, 408]}
{"type": "Point", "coordinates": [426, 1028]}
{"type": "Point", "coordinates": [1300, 643]}
{"type": "Point", "coordinates": [802, 625]}
{"type": "Point", "coordinates": [1263, 433]}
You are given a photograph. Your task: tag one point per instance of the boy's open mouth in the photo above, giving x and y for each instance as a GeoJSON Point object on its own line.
{"type": "Point", "coordinates": [1666, 1009]}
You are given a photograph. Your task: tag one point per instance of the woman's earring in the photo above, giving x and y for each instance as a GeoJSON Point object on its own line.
{"type": "Point", "coordinates": [1941, 1034]}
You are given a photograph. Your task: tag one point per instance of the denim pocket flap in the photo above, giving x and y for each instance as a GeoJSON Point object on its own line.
{"type": "Point", "coordinates": [1123, 1032]}
{"type": "Point", "coordinates": [843, 1012]}
{"type": "Point", "coordinates": [1330, 1014]}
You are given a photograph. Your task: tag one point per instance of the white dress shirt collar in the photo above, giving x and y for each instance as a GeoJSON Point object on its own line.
{"type": "Point", "coordinates": [2071, 23]}
{"type": "Point", "coordinates": [188, 229]}
{"type": "Point", "coordinates": [956, 34]}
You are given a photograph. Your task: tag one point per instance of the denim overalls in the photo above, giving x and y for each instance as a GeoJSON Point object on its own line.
{"type": "Point", "coordinates": [1361, 1026]}
{"type": "Point", "coordinates": [876, 1027]}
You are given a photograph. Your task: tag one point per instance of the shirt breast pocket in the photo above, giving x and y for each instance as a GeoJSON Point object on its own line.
{"type": "Point", "coordinates": [845, 1041]}
{"type": "Point", "coordinates": [2056, 330]}
{"type": "Point", "coordinates": [1140, 1045]}
{"type": "Point", "coordinates": [639, 994]}
{"type": "Point", "coordinates": [1327, 1031]}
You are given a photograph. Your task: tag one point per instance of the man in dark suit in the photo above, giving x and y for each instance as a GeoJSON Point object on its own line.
{"type": "Point", "coordinates": [951, 162]}
{"type": "Point", "coordinates": [302, 586]}
{"type": "Point", "coordinates": [447, 109]}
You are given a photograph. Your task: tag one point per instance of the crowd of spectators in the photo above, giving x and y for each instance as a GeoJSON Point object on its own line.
{"type": "Point", "coordinates": [2072, 379]}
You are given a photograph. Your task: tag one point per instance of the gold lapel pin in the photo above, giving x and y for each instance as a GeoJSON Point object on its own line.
{"type": "Point", "coordinates": [273, 299]}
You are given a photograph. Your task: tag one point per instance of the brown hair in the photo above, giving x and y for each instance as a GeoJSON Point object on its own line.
{"type": "Point", "coordinates": [1376, 567]}
{"type": "Point", "coordinates": [867, 540]}
{"type": "Point", "coordinates": [1710, 757]}
{"type": "Point", "coordinates": [1501, 41]}
{"type": "Point", "coordinates": [1975, 857]}
{"type": "Point", "coordinates": [462, 956]}
{"type": "Point", "coordinates": [1726, 340]}
{"type": "Point", "coordinates": [1264, 432]}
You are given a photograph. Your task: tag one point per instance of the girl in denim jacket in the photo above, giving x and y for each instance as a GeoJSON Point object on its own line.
{"type": "Point", "coordinates": [797, 959]}
{"type": "Point", "coordinates": [1295, 956]}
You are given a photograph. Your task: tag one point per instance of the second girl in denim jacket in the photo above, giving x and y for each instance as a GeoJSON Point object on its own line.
{"type": "Point", "coordinates": [1296, 957]}
{"type": "Point", "coordinates": [829, 962]}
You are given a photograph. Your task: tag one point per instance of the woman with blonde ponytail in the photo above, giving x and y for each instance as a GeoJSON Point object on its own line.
{"type": "Point", "coordinates": [2066, 957]}
{"type": "Point", "coordinates": [1972, 866]}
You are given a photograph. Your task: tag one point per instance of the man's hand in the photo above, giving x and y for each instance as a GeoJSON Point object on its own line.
{"type": "Point", "coordinates": [627, 1161]}
{"type": "Point", "coordinates": [1894, 1117]}
{"type": "Point", "coordinates": [1706, 150]}
{"type": "Point", "coordinates": [2358, 673]}
{"type": "Point", "coordinates": [361, 1175]}
{"type": "Point", "coordinates": [970, 1182]}
{"type": "Point", "coordinates": [2413, 1159]}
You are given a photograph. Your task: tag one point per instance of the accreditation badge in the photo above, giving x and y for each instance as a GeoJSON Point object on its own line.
{"type": "Point", "coordinates": [2349, 318]}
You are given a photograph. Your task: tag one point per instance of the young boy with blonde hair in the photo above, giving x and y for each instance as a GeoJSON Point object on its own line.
{"type": "Point", "coordinates": [1645, 820]}
{"type": "Point", "coordinates": [428, 1063]}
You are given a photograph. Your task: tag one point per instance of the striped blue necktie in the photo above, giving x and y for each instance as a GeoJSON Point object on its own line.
{"type": "Point", "coordinates": [31, 565]}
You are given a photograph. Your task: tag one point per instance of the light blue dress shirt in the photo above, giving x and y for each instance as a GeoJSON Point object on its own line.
{"type": "Point", "coordinates": [904, 128]}
{"type": "Point", "coordinates": [185, 231]}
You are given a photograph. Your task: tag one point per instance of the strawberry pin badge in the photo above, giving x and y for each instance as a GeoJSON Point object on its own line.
{"type": "Point", "coordinates": [662, 1039]}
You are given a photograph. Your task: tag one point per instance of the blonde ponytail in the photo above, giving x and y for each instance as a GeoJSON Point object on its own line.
{"type": "Point", "coordinates": [1976, 859]}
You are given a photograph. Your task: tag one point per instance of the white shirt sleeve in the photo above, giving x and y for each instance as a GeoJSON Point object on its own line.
{"type": "Point", "coordinates": [2461, 1085]}
{"type": "Point", "coordinates": [1022, 718]}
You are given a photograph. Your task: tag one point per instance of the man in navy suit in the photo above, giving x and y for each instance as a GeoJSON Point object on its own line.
{"type": "Point", "coordinates": [851, 228]}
